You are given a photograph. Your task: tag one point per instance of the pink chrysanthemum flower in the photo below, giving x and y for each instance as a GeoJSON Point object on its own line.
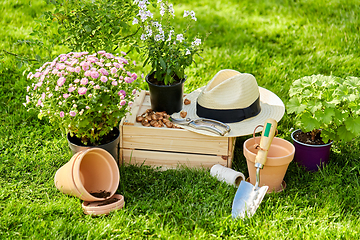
{"type": "Point", "coordinates": [82, 90]}
{"type": "Point", "coordinates": [61, 81]}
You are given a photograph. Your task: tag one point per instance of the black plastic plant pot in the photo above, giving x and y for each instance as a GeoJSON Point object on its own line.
{"type": "Point", "coordinates": [168, 98]}
{"type": "Point", "coordinates": [112, 147]}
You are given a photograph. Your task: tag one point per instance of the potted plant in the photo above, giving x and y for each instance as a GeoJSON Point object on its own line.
{"type": "Point", "coordinates": [168, 52]}
{"type": "Point", "coordinates": [85, 95]}
{"type": "Point", "coordinates": [327, 109]}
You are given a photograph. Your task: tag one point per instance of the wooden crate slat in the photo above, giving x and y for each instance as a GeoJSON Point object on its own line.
{"type": "Point", "coordinates": [168, 139]}
{"type": "Point", "coordinates": [170, 160]}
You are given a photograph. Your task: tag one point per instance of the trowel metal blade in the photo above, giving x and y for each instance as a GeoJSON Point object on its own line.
{"type": "Point", "coordinates": [247, 199]}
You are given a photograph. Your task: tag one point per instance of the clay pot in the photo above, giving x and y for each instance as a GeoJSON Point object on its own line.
{"type": "Point", "coordinates": [90, 171]}
{"type": "Point", "coordinates": [281, 153]}
{"type": "Point", "coordinates": [103, 207]}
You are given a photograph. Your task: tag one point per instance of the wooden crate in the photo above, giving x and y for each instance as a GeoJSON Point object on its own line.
{"type": "Point", "coordinates": [169, 147]}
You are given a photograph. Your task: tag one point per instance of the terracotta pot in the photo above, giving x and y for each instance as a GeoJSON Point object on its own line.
{"type": "Point", "coordinates": [111, 147]}
{"type": "Point", "coordinates": [99, 208]}
{"type": "Point", "coordinates": [168, 98]}
{"type": "Point", "coordinates": [90, 171]}
{"type": "Point", "coordinates": [281, 153]}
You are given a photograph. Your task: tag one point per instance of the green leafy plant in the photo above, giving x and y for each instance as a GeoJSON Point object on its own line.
{"type": "Point", "coordinates": [326, 104]}
{"type": "Point", "coordinates": [84, 94]}
{"type": "Point", "coordinates": [88, 25]}
{"type": "Point", "coordinates": [167, 51]}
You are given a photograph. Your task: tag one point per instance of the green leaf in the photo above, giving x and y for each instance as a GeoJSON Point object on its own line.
{"type": "Point", "coordinates": [87, 28]}
{"type": "Point", "coordinates": [344, 134]}
{"type": "Point", "coordinates": [162, 63]}
{"type": "Point", "coordinates": [353, 125]}
{"type": "Point", "coordinates": [294, 105]}
{"type": "Point", "coordinates": [327, 135]}
{"type": "Point", "coordinates": [326, 116]}
{"type": "Point", "coordinates": [308, 122]}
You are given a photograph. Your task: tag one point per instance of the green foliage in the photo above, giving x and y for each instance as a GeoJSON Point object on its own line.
{"type": "Point", "coordinates": [88, 25]}
{"type": "Point", "coordinates": [167, 51]}
{"type": "Point", "coordinates": [327, 103]}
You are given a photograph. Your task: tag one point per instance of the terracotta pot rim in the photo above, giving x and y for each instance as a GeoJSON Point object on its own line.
{"type": "Point", "coordinates": [270, 159]}
{"type": "Point", "coordinates": [308, 145]}
{"type": "Point", "coordinates": [91, 208]}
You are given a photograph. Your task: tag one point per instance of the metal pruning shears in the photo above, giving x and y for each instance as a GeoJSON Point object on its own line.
{"type": "Point", "coordinates": [204, 124]}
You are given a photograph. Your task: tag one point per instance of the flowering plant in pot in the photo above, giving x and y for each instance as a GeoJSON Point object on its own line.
{"type": "Point", "coordinates": [327, 109]}
{"type": "Point", "coordinates": [168, 51]}
{"type": "Point", "coordinates": [85, 95]}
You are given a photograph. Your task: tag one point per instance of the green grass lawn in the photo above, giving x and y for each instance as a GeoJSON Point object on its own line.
{"type": "Point", "coordinates": [277, 42]}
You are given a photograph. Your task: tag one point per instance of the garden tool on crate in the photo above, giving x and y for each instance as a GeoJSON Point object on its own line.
{"type": "Point", "coordinates": [248, 197]}
{"type": "Point", "coordinates": [205, 124]}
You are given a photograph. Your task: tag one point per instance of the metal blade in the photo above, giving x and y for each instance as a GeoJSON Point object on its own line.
{"type": "Point", "coordinates": [247, 199]}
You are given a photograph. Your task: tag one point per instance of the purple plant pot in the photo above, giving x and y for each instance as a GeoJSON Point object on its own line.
{"type": "Point", "coordinates": [312, 157]}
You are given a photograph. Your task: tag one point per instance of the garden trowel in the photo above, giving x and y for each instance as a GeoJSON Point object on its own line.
{"type": "Point", "coordinates": [248, 197]}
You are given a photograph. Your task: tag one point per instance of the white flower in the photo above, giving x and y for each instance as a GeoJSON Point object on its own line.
{"type": "Point", "coordinates": [187, 52]}
{"type": "Point", "coordinates": [74, 106]}
{"type": "Point", "coordinates": [159, 1]}
{"type": "Point", "coordinates": [180, 37]}
{"type": "Point", "coordinates": [149, 14]}
{"type": "Point", "coordinates": [159, 37]}
{"type": "Point", "coordinates": [196, 42]}
{"type": "Point", "coordinates": [162, 9]}
{"type": "Point", "coordinates": [142, 4]}
{"type": "Point", "coordinates": [135, 21]}
{"type": "Point", "coordinates": [149, 31]}
{"type": "Point", "coordinates": [186, 13]}
{"type": "Point", "coordinates": [169, 38]}
{"type": "Point", "coordinates": [143, 37]}
{"type": "Point", "coordinates": [142, 15]}
{"type": "Point", "coordinates": [192, 13]}
{"type": "Point", "coordinates": [171, 9]}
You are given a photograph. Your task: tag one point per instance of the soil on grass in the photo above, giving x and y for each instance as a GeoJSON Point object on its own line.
{"type": "Point", "coordinates": [111, 136]}
{"type": "Point", "coordinates": [108, 201]}
{"type": "Point", "coordinates": [306, 138]}
{"type": "Point", "coordinates": [101, 194]}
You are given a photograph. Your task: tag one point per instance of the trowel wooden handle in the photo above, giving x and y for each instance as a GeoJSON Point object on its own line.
{"type": "Point", "coordinates": [267, 136]}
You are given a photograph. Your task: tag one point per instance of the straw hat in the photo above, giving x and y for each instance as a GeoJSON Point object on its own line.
{"type": "Point", "coordinates": [235, 99]}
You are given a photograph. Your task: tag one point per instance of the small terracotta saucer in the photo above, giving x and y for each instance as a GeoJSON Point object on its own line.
{"type": "Point", "coordinates": [103, 207]}
{"type": "Point", "coordinates": [283, 186]}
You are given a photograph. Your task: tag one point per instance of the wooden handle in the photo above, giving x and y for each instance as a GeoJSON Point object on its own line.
{"type": "Point", "coordinates": [267, 136]}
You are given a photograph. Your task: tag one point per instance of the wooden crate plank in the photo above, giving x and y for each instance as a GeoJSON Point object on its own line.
{"type": "Point", "coordinates": [170, 139]}
{"type": "Point", "coordinates": [170, 160]}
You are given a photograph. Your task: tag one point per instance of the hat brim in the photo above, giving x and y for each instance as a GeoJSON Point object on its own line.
{"type": "Point", "coordinates": [271, 107]}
